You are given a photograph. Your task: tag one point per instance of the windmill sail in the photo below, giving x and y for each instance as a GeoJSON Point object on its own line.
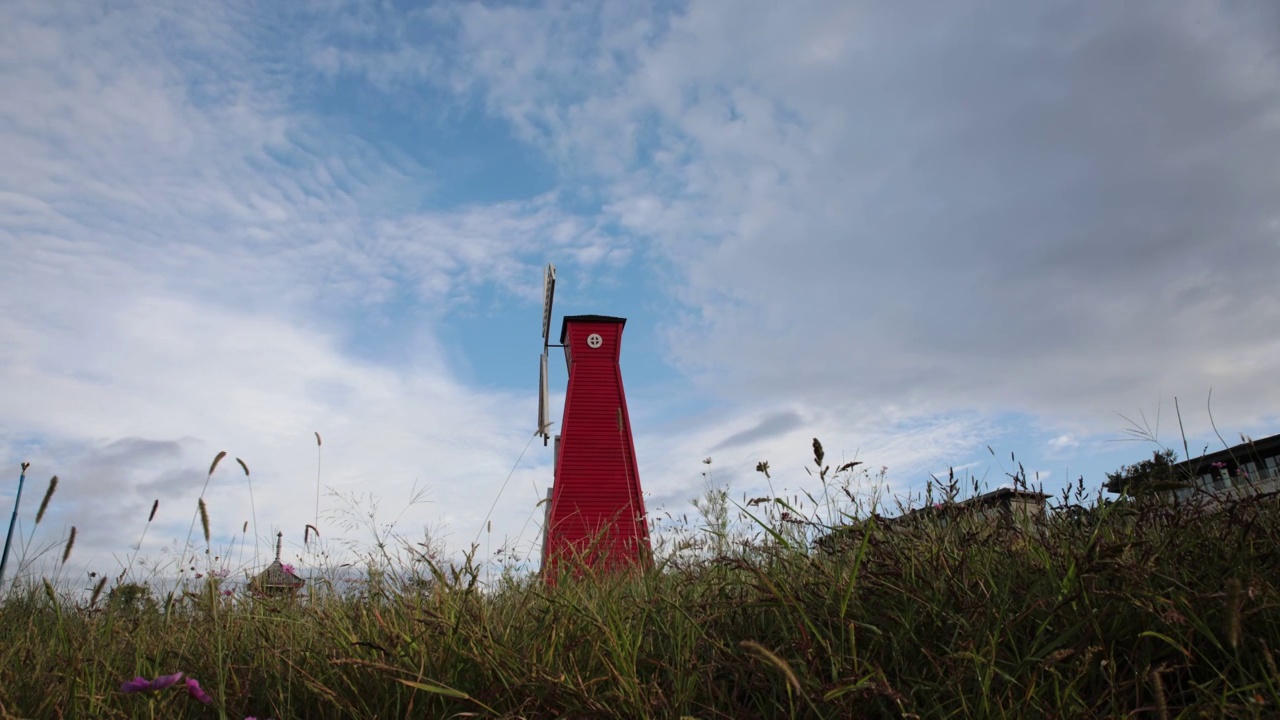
{"type": "Point", "coordinates": [544, 402]}
{"type": "Point", "coordinates": [548, 295]}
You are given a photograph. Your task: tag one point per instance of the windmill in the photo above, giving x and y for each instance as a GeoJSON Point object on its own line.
{"type": "Point", "coordinates": [595, 511]}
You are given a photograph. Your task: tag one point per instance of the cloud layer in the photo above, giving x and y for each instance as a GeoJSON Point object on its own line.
{"type": "Point", "coordinates": [909, 230]}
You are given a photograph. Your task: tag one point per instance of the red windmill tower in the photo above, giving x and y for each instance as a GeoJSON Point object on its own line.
{"type": "Point", "coordinates": [595, 513]}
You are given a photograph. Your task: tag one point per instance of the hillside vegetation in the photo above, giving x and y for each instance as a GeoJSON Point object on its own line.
{"type": "Point", "coordinates": [1114, 610]}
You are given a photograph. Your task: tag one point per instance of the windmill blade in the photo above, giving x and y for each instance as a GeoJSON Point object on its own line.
{"type": "Point", "coordinates": [544, 401]}
{"type": "Point", "coordinates": [548, 296]}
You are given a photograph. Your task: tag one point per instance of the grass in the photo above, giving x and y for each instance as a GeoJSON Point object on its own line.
{"type": "Point", "coordinates": [1115, 610]}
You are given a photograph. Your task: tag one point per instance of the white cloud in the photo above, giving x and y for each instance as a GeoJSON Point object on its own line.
{"type": "Point", "coordinates": [166, 372]}
{"type": "Point", "coordinates": [1063, 442]}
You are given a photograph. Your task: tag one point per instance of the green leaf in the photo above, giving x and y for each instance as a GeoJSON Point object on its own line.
{"type": "Point", "coordinates": [1172, 643]}
{"type": "Point", "coordinates": [437, 689]}
{"type": "Point", "coordinates": [847, 688]}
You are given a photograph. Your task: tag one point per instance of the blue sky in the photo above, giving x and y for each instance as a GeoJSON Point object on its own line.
{"type": "Point", "coordinates": [911, 231]}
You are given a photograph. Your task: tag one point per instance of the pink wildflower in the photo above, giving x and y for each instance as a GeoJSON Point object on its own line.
{"type": "Point", "coordinates": [141, 684]}
{"type": "Point", "coordinates": [193, 687]}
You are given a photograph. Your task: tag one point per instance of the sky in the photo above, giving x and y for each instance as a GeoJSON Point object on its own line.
{"type": "Point", "coordinates": [929, 234]}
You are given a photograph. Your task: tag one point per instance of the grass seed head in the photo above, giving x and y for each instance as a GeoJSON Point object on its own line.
{"type": "Point", "coordinates": [242, 465]}
{"type": "Point", "coordinates": [154, 507]}
{"type": "Point", "coordinates": [217, 460]}
{"type": "Point", "coordinates": [97, 591]}
{"type": "Point", "coordinates": [71, 542]}
{"type": "Point", "coordinates": [1234, 598]}
{"type": "Point", "coordinates": [48, 495]}
{"type": "Point", "coordinates": [1271, 661]}
{"type": "Point", "coordinates": [1157, 687]}
{"type": "Point", "coordinates": [774, 660]}
{"type": "Point", "coordinates": [204, 520]}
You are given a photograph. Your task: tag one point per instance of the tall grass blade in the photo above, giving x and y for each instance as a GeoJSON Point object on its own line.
{"type": "Point", "coordinates": [444, 690]}
{"type": "Point", "coordinates": [253, 511]}
{"type": "Point", "coordinates": [774, 660]}
{"type": "Point", "coordinates": [318, 448]}
{"type": "Point", "coordinates": [213, 466]}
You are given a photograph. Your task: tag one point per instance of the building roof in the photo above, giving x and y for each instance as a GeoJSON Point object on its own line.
{"type": "Point", "coordinates": [1002, 493]}
{"type": "Point", "coordinates": [1243, 452]}
{"type": "Point", "coordinates": [992, 497]}
{"type": "Point", "coordinates": [564, 325]}
{"type": "Point", "coordinates": [1183, 473]}
{"type": "Point", "coordinates": [997, 497]}
{"type": "Point", "coordinates": [276, 575]}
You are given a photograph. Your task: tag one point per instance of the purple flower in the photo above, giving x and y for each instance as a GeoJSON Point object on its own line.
{"type": "Point", "coordinates": [287, 568]}
{"type": "Point", "coordinates": [228, 593]}
{"type": "Point", "coordinates": [1219, 465]}
{"type": "Point", "coordinates": [141, 684]}
{"type": "Point", "coordinates": [193, 687]}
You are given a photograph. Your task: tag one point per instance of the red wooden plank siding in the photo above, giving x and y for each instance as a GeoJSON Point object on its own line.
{"type": "Point", "coordinates": [597, 509]}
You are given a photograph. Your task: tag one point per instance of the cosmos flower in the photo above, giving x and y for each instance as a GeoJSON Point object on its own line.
{"type": "Point", "coordinates": [141, 684]}
{"type": "Point", "coordinates": [193, 687]}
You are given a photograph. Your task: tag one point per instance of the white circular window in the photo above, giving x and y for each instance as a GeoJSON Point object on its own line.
{"type": "Point", "coordinates": [594, 341]}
